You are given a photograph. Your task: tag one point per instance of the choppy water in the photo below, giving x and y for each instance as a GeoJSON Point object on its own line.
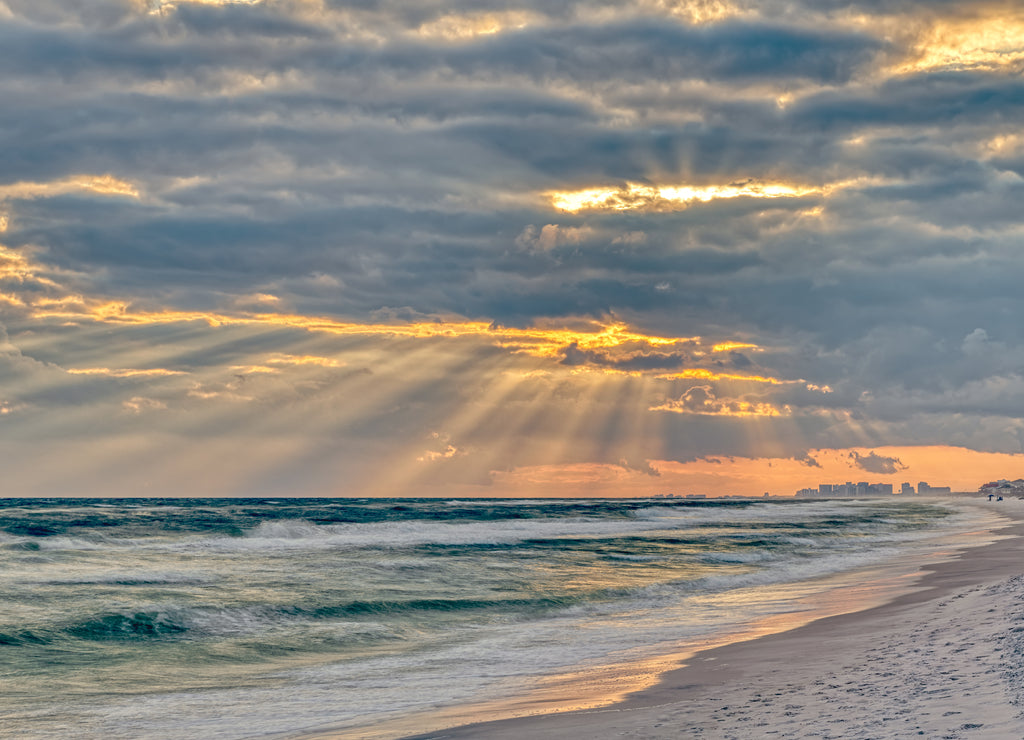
{"type": "Point", "coordinates": [220, 618]}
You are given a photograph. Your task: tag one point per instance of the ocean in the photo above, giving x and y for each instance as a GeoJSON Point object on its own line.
{"type": "Point", "coordinates": [242, 618]}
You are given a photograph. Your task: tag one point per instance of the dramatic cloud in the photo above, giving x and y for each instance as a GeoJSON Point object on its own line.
{"type": "Point", "coordinates": [877, 463]}
{"type": "Point", "coordinates": [701, 399]}
{"type": "Point", "coordinates": [808, 460]}
{"type": "Point", "coordinates": [579, 241]}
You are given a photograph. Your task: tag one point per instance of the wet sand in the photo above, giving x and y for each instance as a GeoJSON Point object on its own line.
{"type": "Point", "coordinates": [943, 660]}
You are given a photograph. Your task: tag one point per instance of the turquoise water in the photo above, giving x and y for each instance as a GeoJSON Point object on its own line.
{"type": "Point", "coordinates": [241, 618]}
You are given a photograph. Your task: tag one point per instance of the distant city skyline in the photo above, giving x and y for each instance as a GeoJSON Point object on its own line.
{"type": "Point", "coordinates": [864, 488]}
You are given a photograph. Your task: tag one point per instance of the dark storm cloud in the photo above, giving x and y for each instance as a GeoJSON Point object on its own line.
{"type": "Point", "coordinates": [644, 467]}
{"type": "Point", "coordinates": [256, 40]}
{"type": "Point", "coordinates": [573, 355]}
{"type": "Point", "coordinates": [354, 165]}
{"type": "Point", "coordinates": [923, 99]}
{"type": "Point", "coordinates": [874, 463]}
{"type": "Point", "coordinates": [808, 460]}
{"type": "Point", "coordinates": [639, 50]}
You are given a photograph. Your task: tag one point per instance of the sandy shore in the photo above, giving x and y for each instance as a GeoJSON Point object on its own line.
{"type": "Point", "coordinates": [945, 660]}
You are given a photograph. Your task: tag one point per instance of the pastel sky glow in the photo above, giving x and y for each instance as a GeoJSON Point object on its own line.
{"type": "Point", "coordinates": [560, 248]}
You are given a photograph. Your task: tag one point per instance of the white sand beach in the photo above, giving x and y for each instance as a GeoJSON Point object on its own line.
{"type": "Point", "coordinates": [943, 660]}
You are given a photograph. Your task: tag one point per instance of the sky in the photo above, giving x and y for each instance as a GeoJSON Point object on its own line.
{"type": "Point", "coordinates": [523, 248]}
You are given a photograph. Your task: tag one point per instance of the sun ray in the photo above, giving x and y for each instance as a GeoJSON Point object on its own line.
{"type": "Point", "coordinates": [473, 419]}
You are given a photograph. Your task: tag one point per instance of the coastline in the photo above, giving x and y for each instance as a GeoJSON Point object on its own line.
{"type": "Point", "coordinates": [932, 662]}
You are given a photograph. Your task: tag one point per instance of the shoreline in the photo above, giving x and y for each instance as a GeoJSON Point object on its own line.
{"type": "Point", "coordinates": [928, 661]}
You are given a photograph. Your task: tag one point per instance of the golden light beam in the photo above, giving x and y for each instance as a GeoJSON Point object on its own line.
{"type": "Point", "coordinates": [519, 423]}
{"type": "Point", "coordinates": [577, 439]}
{"type": "Point", "coordinates": [496, 392]}
{"type": "Point", "coordinates": [634, 420]}
{"type": "Point", "coordinates": [413, 464]}
{"type": "Point", "coordinates": [550, 410]}
{"type": "Point", "coordinates": [359, 395]}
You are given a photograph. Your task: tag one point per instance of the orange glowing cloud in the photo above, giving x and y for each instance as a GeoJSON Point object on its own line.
{"type": "Point", "coordinates": [990, 42]}
{"type": "Point", "coordinates": [279, 358]}
{"type": "Point", "coordinates": [157, 6]}
{"type": "Point", "coordinates": [141, 404]}
{"type": "Point", "coordinates": [636, 196]}
{"type": "Point", "coordinates": [255, 369]}
{"type": "Point", "coordinates": [536, 341]}
{"type": "Point", "coordinates": [16, 267]}
{"type": "Point", "coordinates": [124, 372]}
{"type": "Point", "coordinates": [607, 347]}
{"type": "Point", "coordinates": [666, 198]}
{"type": "Point", "coordinates": [464, 27]}
{"type": "Point", "coordinates": [447, 451]}
{"type": "Point", "coordinates": [704, 401]}
{"type": "Point", "coordinates": [697, 12]}
{"type": "Point", "coordinates": [729, 346]}
{"type": "Point", "coordinates": [107, 185]}
{"type": "Point", "coordinates": [703, 374]}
